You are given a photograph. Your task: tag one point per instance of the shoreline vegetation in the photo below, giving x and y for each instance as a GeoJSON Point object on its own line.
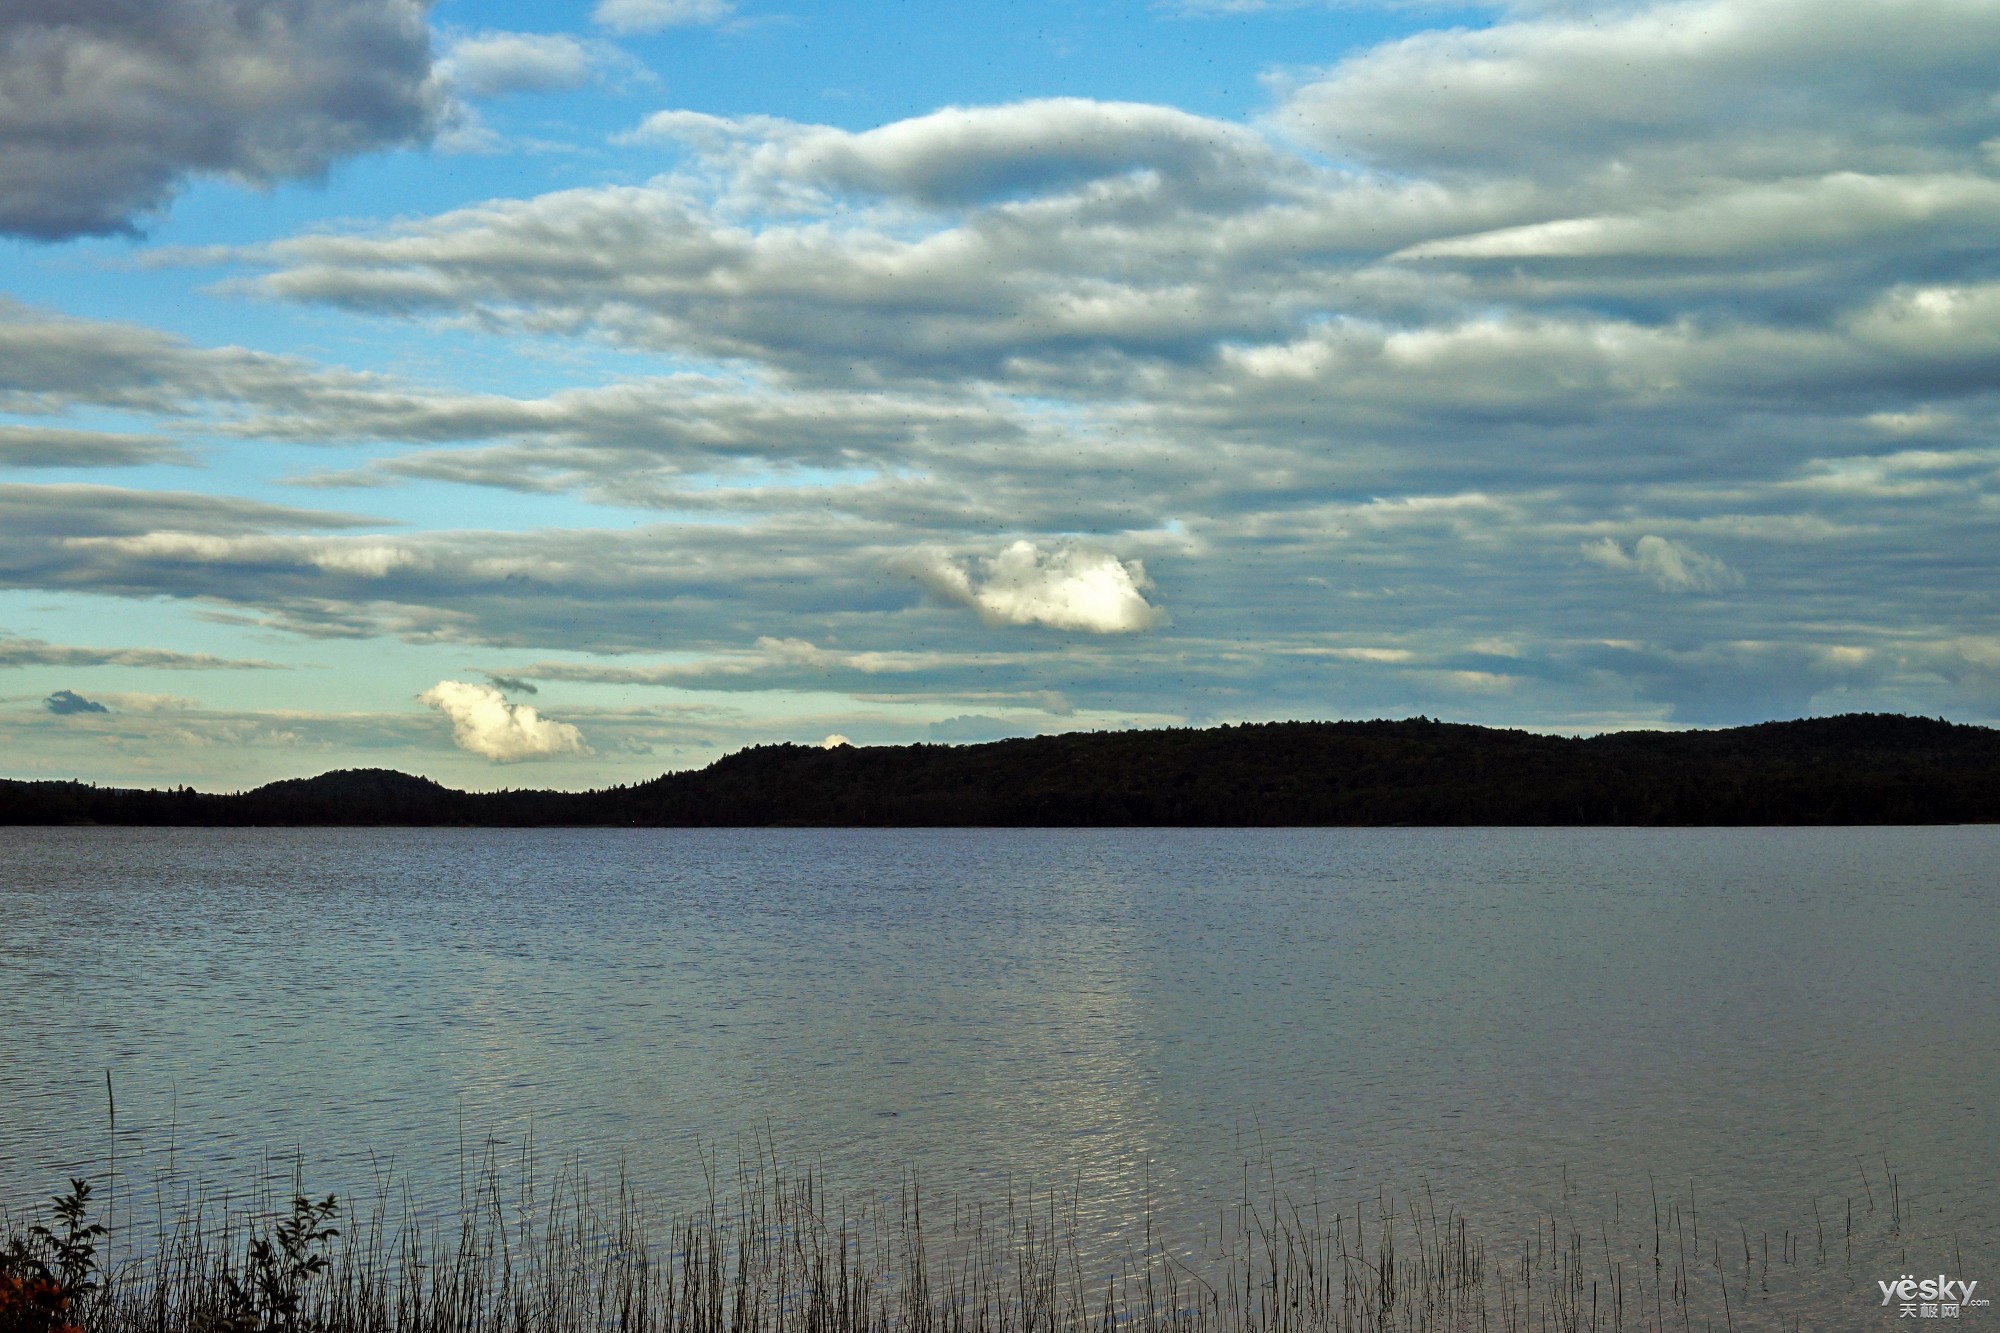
{"type": "Point", "coordinates": [778, 1254]}
{"type": "Point", "coordinates": [1855, 769]}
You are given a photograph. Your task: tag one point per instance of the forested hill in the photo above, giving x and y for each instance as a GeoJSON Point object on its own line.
{"type": "Point", "coordinates": [1857, 769]}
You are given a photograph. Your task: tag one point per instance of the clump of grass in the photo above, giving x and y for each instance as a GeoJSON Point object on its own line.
{"type": "Point", "coordinates": [777, 1254]}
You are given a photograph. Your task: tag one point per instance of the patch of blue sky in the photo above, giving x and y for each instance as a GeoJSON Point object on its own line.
{"type": "Point", "coordinates": [858, 66]}
{"type": "Point", "coordinates": [1080, 418]}
{"type": "Point", "coordinates": [171, 624]}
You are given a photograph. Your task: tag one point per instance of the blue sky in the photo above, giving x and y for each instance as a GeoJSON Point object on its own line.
{"type": "Point", "coordinates": [553, 395]}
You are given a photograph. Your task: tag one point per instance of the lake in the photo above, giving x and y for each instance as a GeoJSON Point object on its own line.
{"type": "Point", "coordinates": [1763, 1023]}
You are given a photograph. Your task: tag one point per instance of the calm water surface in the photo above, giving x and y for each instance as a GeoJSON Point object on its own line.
{"type": "Point", "coordinates": [1764, 1018]}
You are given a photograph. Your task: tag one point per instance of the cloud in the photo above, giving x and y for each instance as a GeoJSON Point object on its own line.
{"type": "Point", "coordinates": [483, 722]}
{"type": "Point", "coordinates": [1115, 251]}
{"type": "Point", "coordinates": [37, 652]}
{"type": "Point", "coordinates": [1730, 682]}
{"type": "Point", "coordinates": [1671, 566]}
{"type": "Point", "coordinates": [630, 16]}
{"type": "Point", "coordinates": [64, 703]}
{"type": "Point", "coordinates": [106, 107]}
{"type": "Point", "coordinates": [141, 701]}
{"type": "Point", "coordinates": [512, 684]}
{"type": "Point", "coordinates": [791, 663]}
{"type": "Point", "coordinates": [974, 728]}
{"type": "Point", "coordinates": [1071, 587]}
{"type": "Point", "coordinates": [52, 364]}
{"type": "Point", "coordinates": [45, 446]}
{"type": "Point", "coordinates": [183, 522]}
{"type": "Point", "coordinates": [968, 155]}
{"type": "Point", "coordinates": [1844, 210]}
{"type": "Point", "coordinates": [1662, 93]}
{"type": "Point", "coordinates": [495, 64]}
{"type": "Point", "coordinates": [835, 741]}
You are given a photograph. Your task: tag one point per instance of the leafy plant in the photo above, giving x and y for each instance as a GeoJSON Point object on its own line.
{"type": "Point", "coordinates": [281, 1272]}
{"type": "Point", "coordinates": [280, 1267]}
{"type": "Point", "coordinates": [75, 1246]}
{"type": "Point", "coordinates": [42, 1275]}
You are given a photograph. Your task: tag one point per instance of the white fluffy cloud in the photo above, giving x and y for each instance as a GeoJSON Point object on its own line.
{"type": "Point", "coordinates": [1072, 587]}
{"type": "Point", "coordinates": [483, 722]}
{"type": "Point", "coordinates": [965, 155]}
{"type": "Point", "coordinates": [1672, 566]}
{"type": "Point", "coordinates": [494, 64]}
{"type": "Point", "coordinates": [106, 106]}
{"type": "Point", "coordinates": [628, 16]}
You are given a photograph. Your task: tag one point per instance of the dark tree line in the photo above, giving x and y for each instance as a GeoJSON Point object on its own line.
{"type": "Point", "coordinates": [1856, 769]}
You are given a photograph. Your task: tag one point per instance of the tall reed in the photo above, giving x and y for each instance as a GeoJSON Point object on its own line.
{"type": "Point", "coordinates": [774, 1252]}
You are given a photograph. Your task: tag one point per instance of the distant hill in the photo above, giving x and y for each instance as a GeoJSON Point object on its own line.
{"type": "Point", "coordinates": [1855, 769]}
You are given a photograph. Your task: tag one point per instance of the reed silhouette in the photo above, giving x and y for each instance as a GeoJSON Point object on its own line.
{"type": "Point", "coordinates": [776, 1253]}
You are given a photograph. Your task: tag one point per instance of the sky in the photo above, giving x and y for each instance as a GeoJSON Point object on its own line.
{"type": "Point", "coordinates": [558, 394]}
